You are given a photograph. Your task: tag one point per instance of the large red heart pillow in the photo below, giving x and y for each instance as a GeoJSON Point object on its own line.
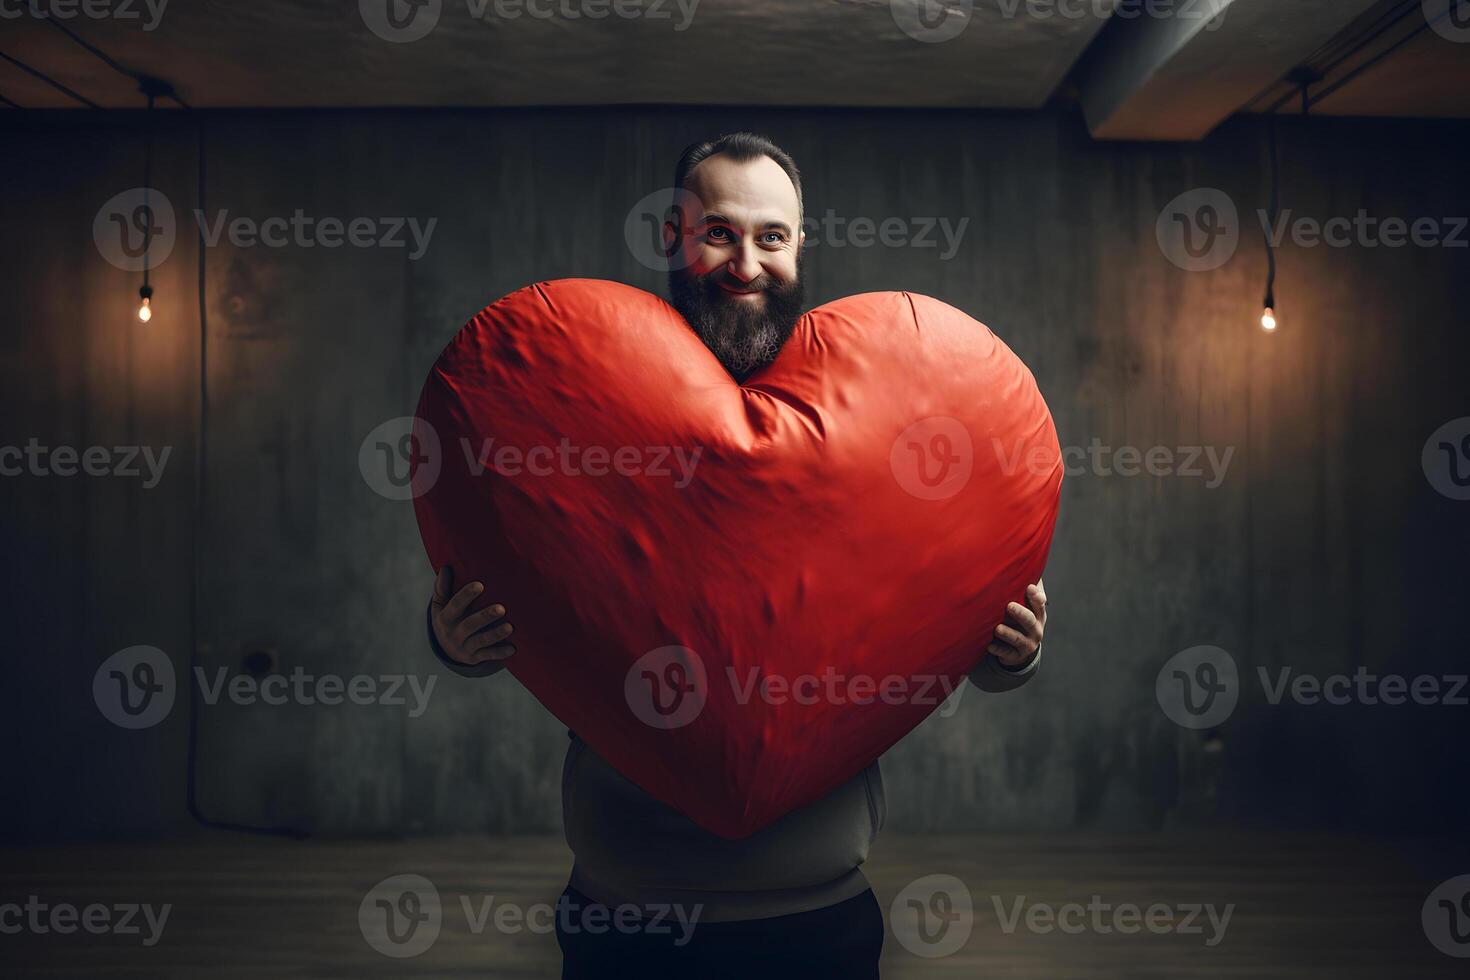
{"type": "Point", "coordinates": [739, 595]}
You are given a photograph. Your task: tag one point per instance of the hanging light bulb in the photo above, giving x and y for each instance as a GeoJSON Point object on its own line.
{"type": "Point", "coordinates": [145, 308]}
{"type": "Point", "coordinates": [1268, 316]}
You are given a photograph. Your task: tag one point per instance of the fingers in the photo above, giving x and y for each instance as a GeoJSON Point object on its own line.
{"type": "Point", "coordinates": [1023, 618]}
{"type": "Point", "coordinates": [481, 619]}
{"type": "Point", "coordinates": [1036, 599]}
{"type": "Point", "coordinates": [455, 608]}
{"type": "Point", "coordinates": [498, 652]}
{"type": "Point", "coordinates": [1015, 639]}
{"type": "Point", "coordinates": [1006, 654]}
{"type": "Point", "coordinates": [443, 584]}
{"type": "Point", "coordinates": [470, 639]}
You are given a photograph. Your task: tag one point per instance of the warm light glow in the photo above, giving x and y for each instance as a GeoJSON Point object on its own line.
{"type": "Point", "coordinates": [1268, 319]}
{"type": "Point", "coordinates": [145, 311]}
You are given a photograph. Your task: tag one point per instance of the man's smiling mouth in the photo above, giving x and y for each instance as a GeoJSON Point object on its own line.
{"type": "Point", "coordinates": [740, 292]}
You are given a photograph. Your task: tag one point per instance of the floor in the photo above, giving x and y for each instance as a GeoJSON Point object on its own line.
{"type": "Point", "coordinates": [1298, 907]}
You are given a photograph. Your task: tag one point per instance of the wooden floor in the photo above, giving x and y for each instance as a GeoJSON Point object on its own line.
{"type": "Point", "coordinates": [248, 907]}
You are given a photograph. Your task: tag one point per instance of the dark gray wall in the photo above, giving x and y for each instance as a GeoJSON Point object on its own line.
{"type": "Point", "coordinates": [1324, 548]}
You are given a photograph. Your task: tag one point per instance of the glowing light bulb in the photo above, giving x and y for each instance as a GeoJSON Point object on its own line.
{"type": "Point", "coordinates": [1268, 320]}
{"type": "Point", "coordinates": [145, 308]}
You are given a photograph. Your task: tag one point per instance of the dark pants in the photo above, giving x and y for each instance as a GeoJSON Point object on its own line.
{"type": "Point", "coordinates": [842, 940]}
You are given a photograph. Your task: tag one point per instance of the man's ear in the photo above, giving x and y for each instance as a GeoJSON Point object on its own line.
{"type": "Point", "coordinates": [671, 239]}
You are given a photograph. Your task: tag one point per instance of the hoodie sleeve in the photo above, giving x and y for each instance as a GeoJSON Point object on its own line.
{"type": "Point", "coordinates": [993, 676]}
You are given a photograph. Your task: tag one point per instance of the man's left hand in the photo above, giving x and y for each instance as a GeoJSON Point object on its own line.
{"type": "Point", "coordinates": [1019, 638]}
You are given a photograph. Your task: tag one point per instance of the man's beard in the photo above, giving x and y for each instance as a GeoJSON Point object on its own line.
{"type": "Point", "coordinates": [745, 336]}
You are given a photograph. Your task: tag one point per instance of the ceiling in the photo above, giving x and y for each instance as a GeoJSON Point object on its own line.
{"type": "Point", "coordinates": [1138, 77]}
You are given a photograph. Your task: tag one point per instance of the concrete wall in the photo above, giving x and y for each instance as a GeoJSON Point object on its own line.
{"type": "Point", "coordinates": [1323, 548]}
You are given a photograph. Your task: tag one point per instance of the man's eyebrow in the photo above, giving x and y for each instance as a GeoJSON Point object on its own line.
{"type": "Point", "coordinates": [715, 218]}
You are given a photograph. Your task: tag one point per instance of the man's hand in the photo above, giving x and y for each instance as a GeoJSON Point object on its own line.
{"type": "Point", "coordinates": [1015, 644]}
{"type": "Point", "coordinates": [467, 638]}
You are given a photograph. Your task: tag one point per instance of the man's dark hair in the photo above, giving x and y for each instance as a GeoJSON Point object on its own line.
{"type": "Point", "coordinates": [739, 147]}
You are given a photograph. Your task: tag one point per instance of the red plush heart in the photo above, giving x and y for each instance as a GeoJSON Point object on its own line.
{"type": "Point", "coordinates": [739, 595]}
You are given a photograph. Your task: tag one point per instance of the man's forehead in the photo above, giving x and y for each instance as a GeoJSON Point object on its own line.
{"type": "Point", "coordinates": [754, 192]}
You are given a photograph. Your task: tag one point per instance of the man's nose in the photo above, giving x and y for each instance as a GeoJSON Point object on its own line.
{"type": "Point", "coordinates": [745, 266]}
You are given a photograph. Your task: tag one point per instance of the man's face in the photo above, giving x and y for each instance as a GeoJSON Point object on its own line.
{"type": "Point", "coordinates": [736, 270]}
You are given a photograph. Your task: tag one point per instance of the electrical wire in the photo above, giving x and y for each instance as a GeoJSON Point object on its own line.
{"type": "Point", "coordinates": [146, 82]}
{"type": "Point", "coordinates": [12, 105]}
{"type": "Point", "coordinates": [153, 88]}
{"type": "Point", "coordinates": [196, 580]}
{"type": "Point", "coordinates": [49, 81]}
{"type": "Point", "coordinates": [1334, 61]}
{"type": "Point", "coordinates": [1376, 59]}
{"type": "Point", "coordinates": [1269, 302]}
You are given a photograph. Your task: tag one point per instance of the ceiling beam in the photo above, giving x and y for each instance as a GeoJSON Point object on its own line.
{"type": "Point", "coordinates": [1178, 72]}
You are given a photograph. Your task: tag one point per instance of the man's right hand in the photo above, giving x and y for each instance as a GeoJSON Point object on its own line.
{"type": "Point", "coordinates": [465, 637]}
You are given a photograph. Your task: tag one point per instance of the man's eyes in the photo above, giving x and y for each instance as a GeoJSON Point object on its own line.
{"type": "Point", "coordinates": [724, 236]}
